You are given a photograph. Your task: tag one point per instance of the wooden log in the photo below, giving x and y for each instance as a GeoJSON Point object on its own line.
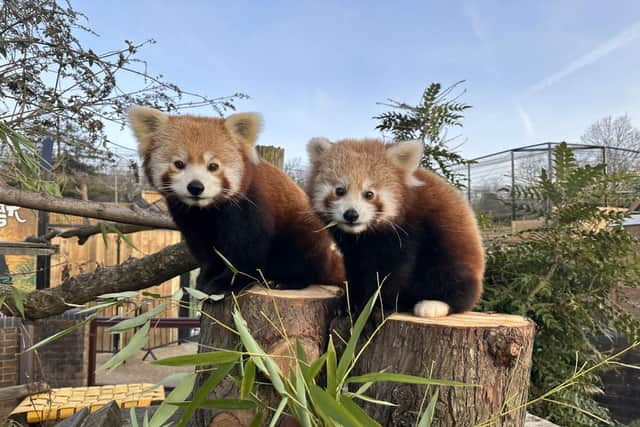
{"type": "Point", "coordinates": [271, 154]}
{"type": "Point", "coordinates": [305, 315]}
{"type": "Point", "coordinates": [10, 397]}
{"type": "Point", "coordinates": [492, 351]}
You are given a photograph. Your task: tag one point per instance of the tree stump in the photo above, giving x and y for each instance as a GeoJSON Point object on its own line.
{"type": "Point", "coordinates": [305, 314]}
{"type": "Point", "coordinates": [492, 351]}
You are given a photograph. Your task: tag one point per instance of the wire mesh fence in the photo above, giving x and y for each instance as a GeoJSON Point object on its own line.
{"type": "Point", "coordinates": [488, 178]}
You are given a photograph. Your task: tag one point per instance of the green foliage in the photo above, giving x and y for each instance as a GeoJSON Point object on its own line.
{"type": "Point", "coordinates": [310, 401]}
{"type": "Point", "coordinates": [23, 169]}
{"type": "Point", "coordinates": [561, 276]}
{"type": "Point", "coordinates": [429, 122]}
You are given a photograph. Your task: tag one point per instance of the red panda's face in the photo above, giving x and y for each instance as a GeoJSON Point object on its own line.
{"type": "Point", "coordinates": [359, 185]}
{"type": "Point", "coordinates": [198, 160]}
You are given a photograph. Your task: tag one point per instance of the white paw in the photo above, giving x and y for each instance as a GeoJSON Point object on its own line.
{"type": "Point", "coordinates": [431, 308]}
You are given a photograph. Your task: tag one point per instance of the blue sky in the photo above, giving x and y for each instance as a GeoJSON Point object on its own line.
{"type": "Point", "coordinates": [535, 71]}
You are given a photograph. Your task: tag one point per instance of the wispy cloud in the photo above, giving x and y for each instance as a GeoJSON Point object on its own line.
{"type": "Point", "coordinates": [470, 9]}
{"type": "Point", "coordinates": [526, 120]}
{"type": "Point", "coordinates": [622, 39]}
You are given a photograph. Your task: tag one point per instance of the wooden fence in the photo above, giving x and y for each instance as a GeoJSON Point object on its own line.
{"type": "Point", "coordinates": [73, 259]}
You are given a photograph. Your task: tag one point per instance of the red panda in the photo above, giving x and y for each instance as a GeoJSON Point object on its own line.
{"type": "Point", "coordinates": [397, 223]}
{"type": "Point", "coordinates": [222, 197]}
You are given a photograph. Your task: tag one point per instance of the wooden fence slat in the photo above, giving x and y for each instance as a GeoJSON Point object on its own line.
{"type": "Point", "coordinates": [73, 259]}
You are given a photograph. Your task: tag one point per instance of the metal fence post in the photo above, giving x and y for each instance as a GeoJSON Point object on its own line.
{"type": "Point", "coordinates": [469, 182]}
{"type": "Point", "coordinates": [43, 262]}
{"type": "Point", "coordinates": [513, 186]}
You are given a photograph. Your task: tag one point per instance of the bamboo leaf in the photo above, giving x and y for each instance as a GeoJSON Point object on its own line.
{"type": "Point", "coordinates": [219, 357]}
{"type": "Point", "coordinates": [180, 392]}
{"type": "Point", "coordinates": [331, 368]}
{"type": "Point", "coordinates": [301, 399]}
{"type": "Point", "coordinates": [263, 361]}
{"type": "Point", "coordinates": [357, 412]}
{"type": "Point", "coordinates": [403, 378]}
{"type": "Point", "coordinates": [331, 408]}
{"type": "Point", "coordinates": [218, 404]}
{"type": "Point", "coordinates": [133, 417]}
{"type": "Point", "coordinates": [427, 416]}
{"type": "Point", "coordinates": [60, 334]}
{"type": "Point", "coordinates": [136, 344]}
{"type": "Point", "coordinates": [119, 295]}
{"type": "Point", "coordinates": [248, 379]}
{"type": "Point", "coordinates": [138, 320]}
{"type": "Point", "coordinates": [349, 352]}
{"type": "Point", "coordinates": [278, 413]}
{"type": "Point", "coordinates": [200, 395]}
{"type": "Point", "coordinates": [18, 299]}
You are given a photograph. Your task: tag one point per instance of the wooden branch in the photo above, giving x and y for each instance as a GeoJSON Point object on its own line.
{"type": "Point", "coordinates": [85, 231]}
{"type": "Point", "coordinates": [132, 275]}
{"type": "Point", "coordinates": [97, 210]}
{"type": "Point", "coordinates": [19, 392]}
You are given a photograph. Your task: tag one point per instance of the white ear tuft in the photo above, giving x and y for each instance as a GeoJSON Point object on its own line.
{"type": "Point", "coordinates": [146, 122]}
{"type": "Point", "coordinates": [245, 127]}
{"type": "Point", "coordinates": [406, 154]}
{"type": "Point", "coordinates": [317, 148]}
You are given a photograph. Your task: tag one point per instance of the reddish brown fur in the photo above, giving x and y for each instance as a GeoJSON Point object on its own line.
{"type": "Point", "coordinates": [434, 208]}
{"type": "Point", "coordinates": [283, 207]}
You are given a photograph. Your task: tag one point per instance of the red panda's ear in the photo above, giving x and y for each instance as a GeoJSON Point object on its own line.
{"type": "Point", "coordinates": [146, 122]}
{"type": "Point", "coordinates": [244, 127]}
{"type": "Point", "coordinates": [317, 148]}
{"type": "Point", "coordinates": [406, 154]}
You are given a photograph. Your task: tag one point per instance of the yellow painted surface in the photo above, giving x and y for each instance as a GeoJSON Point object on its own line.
{"type": "Point", "coordinates": [64, 402]}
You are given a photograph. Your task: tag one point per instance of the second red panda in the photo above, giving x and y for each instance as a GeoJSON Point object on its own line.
{"type": "Point", "coordinates": [398, 223]}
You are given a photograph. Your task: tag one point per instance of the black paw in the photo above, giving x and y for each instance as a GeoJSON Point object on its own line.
{"type": "Point", "coordinates": [210, 286]}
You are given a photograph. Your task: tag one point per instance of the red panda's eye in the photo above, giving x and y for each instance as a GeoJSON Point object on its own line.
{"type": "Point", "coordinates": [212, 167]}
{"type": "Point", "coordinates": [368, 195]}
{"type": "Point", "coordinates": [179, 164]}
{"type": "Point", "coordinates": [341, 191]}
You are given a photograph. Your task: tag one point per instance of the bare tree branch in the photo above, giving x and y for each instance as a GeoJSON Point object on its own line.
{"type": "Point", "coordinates": [85, 231]}
{"type": "Point", "coordinates": [97, 210]}
{"type": "Point", "coordinates": [132, 275]}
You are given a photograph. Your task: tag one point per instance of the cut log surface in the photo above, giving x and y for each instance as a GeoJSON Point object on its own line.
{"type": "Point", "coordinates": [305, 315]}
{"type": "Point", "coordinates": [491, 351]}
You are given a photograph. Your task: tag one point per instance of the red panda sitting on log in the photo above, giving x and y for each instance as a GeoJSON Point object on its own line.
{"type": "Point", "coordinates": [398, 223]}
{"type": "Point", "coordinates": [222, 197]}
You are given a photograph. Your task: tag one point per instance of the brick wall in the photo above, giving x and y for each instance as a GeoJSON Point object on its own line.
{"type": "Point", "coordinates": [9, 359]}
{"type": "Point", "coordinates": [64, 362]}
{"type": "Point", "coordinates": [9, 350]}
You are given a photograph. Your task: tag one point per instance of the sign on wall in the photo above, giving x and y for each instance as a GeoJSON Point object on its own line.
{"type": "Point", "coordinates": [16, 224]}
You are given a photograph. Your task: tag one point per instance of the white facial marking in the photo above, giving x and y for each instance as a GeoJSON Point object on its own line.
{"type": "Point", "coordinates": [389, 204]}
{"type": "Point", "coordinates": [320, 193]}
{"type": "Point", "coordinates": [353, 200]}
{"type": "Point", "coordinates": [198, 172]}
{"type": "Point", "coordinates": [431, 308]}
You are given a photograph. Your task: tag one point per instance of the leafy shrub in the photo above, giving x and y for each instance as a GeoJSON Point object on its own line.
{"type": "Point", "coordinates": [561, 275]}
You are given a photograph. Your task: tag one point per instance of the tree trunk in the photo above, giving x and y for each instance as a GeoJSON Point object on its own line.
{"type": "Point", "coordinates": [492, 351]}
{"type": "Point", "coordinates": [273, 155]}
{"type": "Point", "coordinates": [305, 315]}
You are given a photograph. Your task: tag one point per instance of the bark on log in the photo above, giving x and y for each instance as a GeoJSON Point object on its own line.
{"type": "Point", "coordinates": [132, 275]}
{"type": "Point", "coordinates": [306, 315]}
{"type": "Point", "coordinates": [492, 351]}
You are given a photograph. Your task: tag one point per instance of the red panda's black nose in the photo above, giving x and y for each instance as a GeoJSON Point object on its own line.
{"type": "Point", "coordinates": [350, 215]}
{"type": "Point", "coordinates": [195, 187]}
